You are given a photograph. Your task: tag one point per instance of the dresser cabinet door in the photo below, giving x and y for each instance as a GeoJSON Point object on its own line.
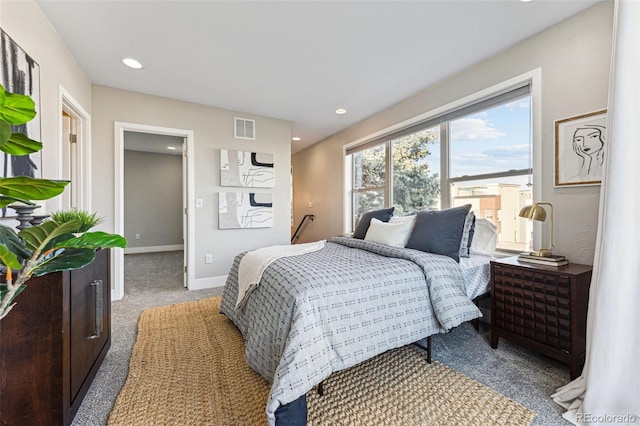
{"type": "Point", "coordinates": [90, 317]}
{"type": "Point", "coordinates": [534, 304]}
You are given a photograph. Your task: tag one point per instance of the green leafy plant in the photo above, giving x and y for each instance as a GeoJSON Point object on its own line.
{"type": "Point", "coordinates": [87, 220]}
{"type": "Point", "coordinates": [61, 243]}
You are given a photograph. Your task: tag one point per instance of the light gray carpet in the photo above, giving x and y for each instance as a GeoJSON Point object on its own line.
{"type": "Point", "coordinates": [517, 373]}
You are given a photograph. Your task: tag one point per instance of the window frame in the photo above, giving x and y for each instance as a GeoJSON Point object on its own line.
{"type": "Point", "coordinates": [532, 78]}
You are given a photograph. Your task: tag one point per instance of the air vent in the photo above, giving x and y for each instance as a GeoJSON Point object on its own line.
{"type": "Point", "coordinates": [245, 128]}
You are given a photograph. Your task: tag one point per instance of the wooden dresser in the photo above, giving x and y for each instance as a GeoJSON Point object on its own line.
{"type": "Point", "coordinates": [52, 344]}
{"type": "Point", "coordinates": [542, 308]}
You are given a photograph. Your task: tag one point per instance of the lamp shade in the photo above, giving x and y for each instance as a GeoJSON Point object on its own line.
{"type": "Point", "coordinates": [535, 212]}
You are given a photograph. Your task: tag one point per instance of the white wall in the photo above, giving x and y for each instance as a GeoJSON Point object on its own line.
{"type": "Point", "coordinates": [152, 198]}
{"type": "Point", "coordinates": [213, 130]}
{"type": "Point", "coordinates": [27, 25]}
{"type": "Point", "coordinates": [574, 57]}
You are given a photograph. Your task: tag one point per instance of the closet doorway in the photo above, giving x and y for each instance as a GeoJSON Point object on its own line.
{"type": "Point", "coordinates": [154, 186]}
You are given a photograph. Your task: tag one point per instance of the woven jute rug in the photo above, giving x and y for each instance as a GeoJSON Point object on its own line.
{"type": "Point", "coordinates": [188, 368]}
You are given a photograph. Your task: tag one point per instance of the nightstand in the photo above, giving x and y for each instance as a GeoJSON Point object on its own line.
{"type": "Point", "coordinates": [542, 308]}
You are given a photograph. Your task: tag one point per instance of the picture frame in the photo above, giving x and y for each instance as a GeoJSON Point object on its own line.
{"type": "Point", "coordinates": [245, 210]}
{"type": "Point", "coordinates": [580, 149]}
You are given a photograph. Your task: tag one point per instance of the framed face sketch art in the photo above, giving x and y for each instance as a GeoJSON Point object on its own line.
{"type": "Point", "coordinates": [580, 149]}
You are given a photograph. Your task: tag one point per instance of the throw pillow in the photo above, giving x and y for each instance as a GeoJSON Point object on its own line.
{"type": "Point", "coordinates": [363, 224]}
{"type": "Point", "coordinates": [393, 233]}
{"type": "Point", "coordinates": [467, 234]}
{"type": "Point", "coordinates": [439, 231]}
{"type": "Point", "coordinates": [484, 238]}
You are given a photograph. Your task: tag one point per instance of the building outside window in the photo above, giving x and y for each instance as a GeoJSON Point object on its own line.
{"type": "Point", "coordinates": [480, 154]}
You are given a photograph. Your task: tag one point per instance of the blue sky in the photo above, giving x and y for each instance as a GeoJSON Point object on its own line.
{"type": "Point", "coordinates": [491, 141]}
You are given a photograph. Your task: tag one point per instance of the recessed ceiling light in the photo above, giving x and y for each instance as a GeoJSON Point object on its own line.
{"type": "Point", "coordinates": [132, 63]}
{"type": "Point", "coordinates": [172, 148]}
{"type": "Point", "coordinates": [341, 111]}
{"type": "Point", "coordinates": [525, 1]}
{"type": "Point", "coordinates": [295, 138]}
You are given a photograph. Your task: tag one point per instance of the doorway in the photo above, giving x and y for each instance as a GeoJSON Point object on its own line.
{"type": "Point", "coordinates": [133, 143]}
{"type": "Point", "coordinates": [153, 212]}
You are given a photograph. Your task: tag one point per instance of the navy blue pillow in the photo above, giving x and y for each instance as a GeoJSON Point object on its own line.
{"type": "Point", "coordinates": [363, 224]}
{"type": "Point", "coordinates": [439, 231]}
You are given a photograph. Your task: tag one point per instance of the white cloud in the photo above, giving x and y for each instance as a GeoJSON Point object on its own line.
{"type": "Point", "coordinates": [500, 158]}
{"type": "Point", "coordinates": [474, 129]}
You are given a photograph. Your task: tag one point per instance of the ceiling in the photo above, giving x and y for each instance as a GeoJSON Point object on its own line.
{"type": "Point", "coordinates": [293, 60]}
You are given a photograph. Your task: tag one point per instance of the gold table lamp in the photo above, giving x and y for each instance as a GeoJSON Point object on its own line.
{"type": "Point", "coordinates": [537, 212]}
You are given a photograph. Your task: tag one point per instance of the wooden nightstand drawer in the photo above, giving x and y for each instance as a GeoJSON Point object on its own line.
{"type": "Point", "coordinates": [543, 308]}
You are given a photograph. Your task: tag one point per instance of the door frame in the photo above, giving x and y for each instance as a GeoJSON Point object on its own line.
{"type": "Point", "coordinates": [188, 175]}
{"type": "Point", "coordinates": [68, 104]}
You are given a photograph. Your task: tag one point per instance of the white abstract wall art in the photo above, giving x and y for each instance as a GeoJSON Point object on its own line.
{"type": "Point", "coordinates": [246, 169]}
{"type": "Point", "coordinates": [243, 210]}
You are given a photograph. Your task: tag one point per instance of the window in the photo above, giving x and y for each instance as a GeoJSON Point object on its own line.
{"type": "Point", "coordinates": [369, 172]}
{"type": "Point", "coordinates": [478, 154]}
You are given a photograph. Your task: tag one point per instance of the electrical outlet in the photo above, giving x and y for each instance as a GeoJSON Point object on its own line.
{"type": "Point", "coordinates": [198, 203]}
{"type": "Point", "coordinates": [137, 236]}
{"type": "Point", "coordinates": [310, 204]}
{"type": "Point", "coordinates": [208, 258]}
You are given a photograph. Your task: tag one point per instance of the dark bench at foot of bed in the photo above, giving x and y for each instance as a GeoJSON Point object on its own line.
{"type": "Point", "coordinates": [293, 413]}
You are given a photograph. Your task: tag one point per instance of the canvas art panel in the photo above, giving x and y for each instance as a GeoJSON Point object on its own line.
{"type": "Point", "coordinates": [580, 149]}
{"type": "Point", "coordinates": [20, 74]}
{"type": "Point", "coordinates": [246, 169]}
{"type": "Point", "coordinates": [242, 210]}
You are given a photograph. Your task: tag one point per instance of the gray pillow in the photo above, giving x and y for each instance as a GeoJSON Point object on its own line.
{"type": "Point", "coordinates": [363, 224]}
{"type": "Point", "coordinates": [439, 232]}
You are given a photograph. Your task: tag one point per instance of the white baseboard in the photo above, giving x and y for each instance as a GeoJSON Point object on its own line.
{"type": "Point", "coordinates": [153, 249]}
{"type": "Point", "coordinates": [209, 282]}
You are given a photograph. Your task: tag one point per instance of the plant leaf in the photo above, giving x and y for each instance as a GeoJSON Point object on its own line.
{"type": "Point", "coordinates": [5, 201]}
{"type": "Point", "coordinates": [66, 260]}
{"type": "Point", "coordinates": [31, 188]}
{"type": "Point", "coordinates": [57, 240]}
{"type": "Point", "coordinates": [37, 237]}
{"type": "Point", "coordinates": [20, 144]}
{"type": "Point", "coordinates": [5, 132]}
{"type": "Point", "coordinates": [94, 240]}
{"type": "Point", "coordinates": [8, 258]}
{"type": "Point", "coordinates": [10, 239]}
{"type": "Point", "coordinates": [17, 109]}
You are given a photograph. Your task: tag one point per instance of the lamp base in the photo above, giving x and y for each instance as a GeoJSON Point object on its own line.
{"type": "Point", "coordinates": [541, 253]}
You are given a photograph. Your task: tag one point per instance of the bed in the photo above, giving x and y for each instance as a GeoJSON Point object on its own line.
{"type": "Point", "coordinates": [331, 309]}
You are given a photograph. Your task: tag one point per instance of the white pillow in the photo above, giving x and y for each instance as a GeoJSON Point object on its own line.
{"type": "Point", "coordinates": [394, 233]}
{"type": "Point", "coordinates": [403, 219]}
{"type": "Point", "coordinates": [484, 237]}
